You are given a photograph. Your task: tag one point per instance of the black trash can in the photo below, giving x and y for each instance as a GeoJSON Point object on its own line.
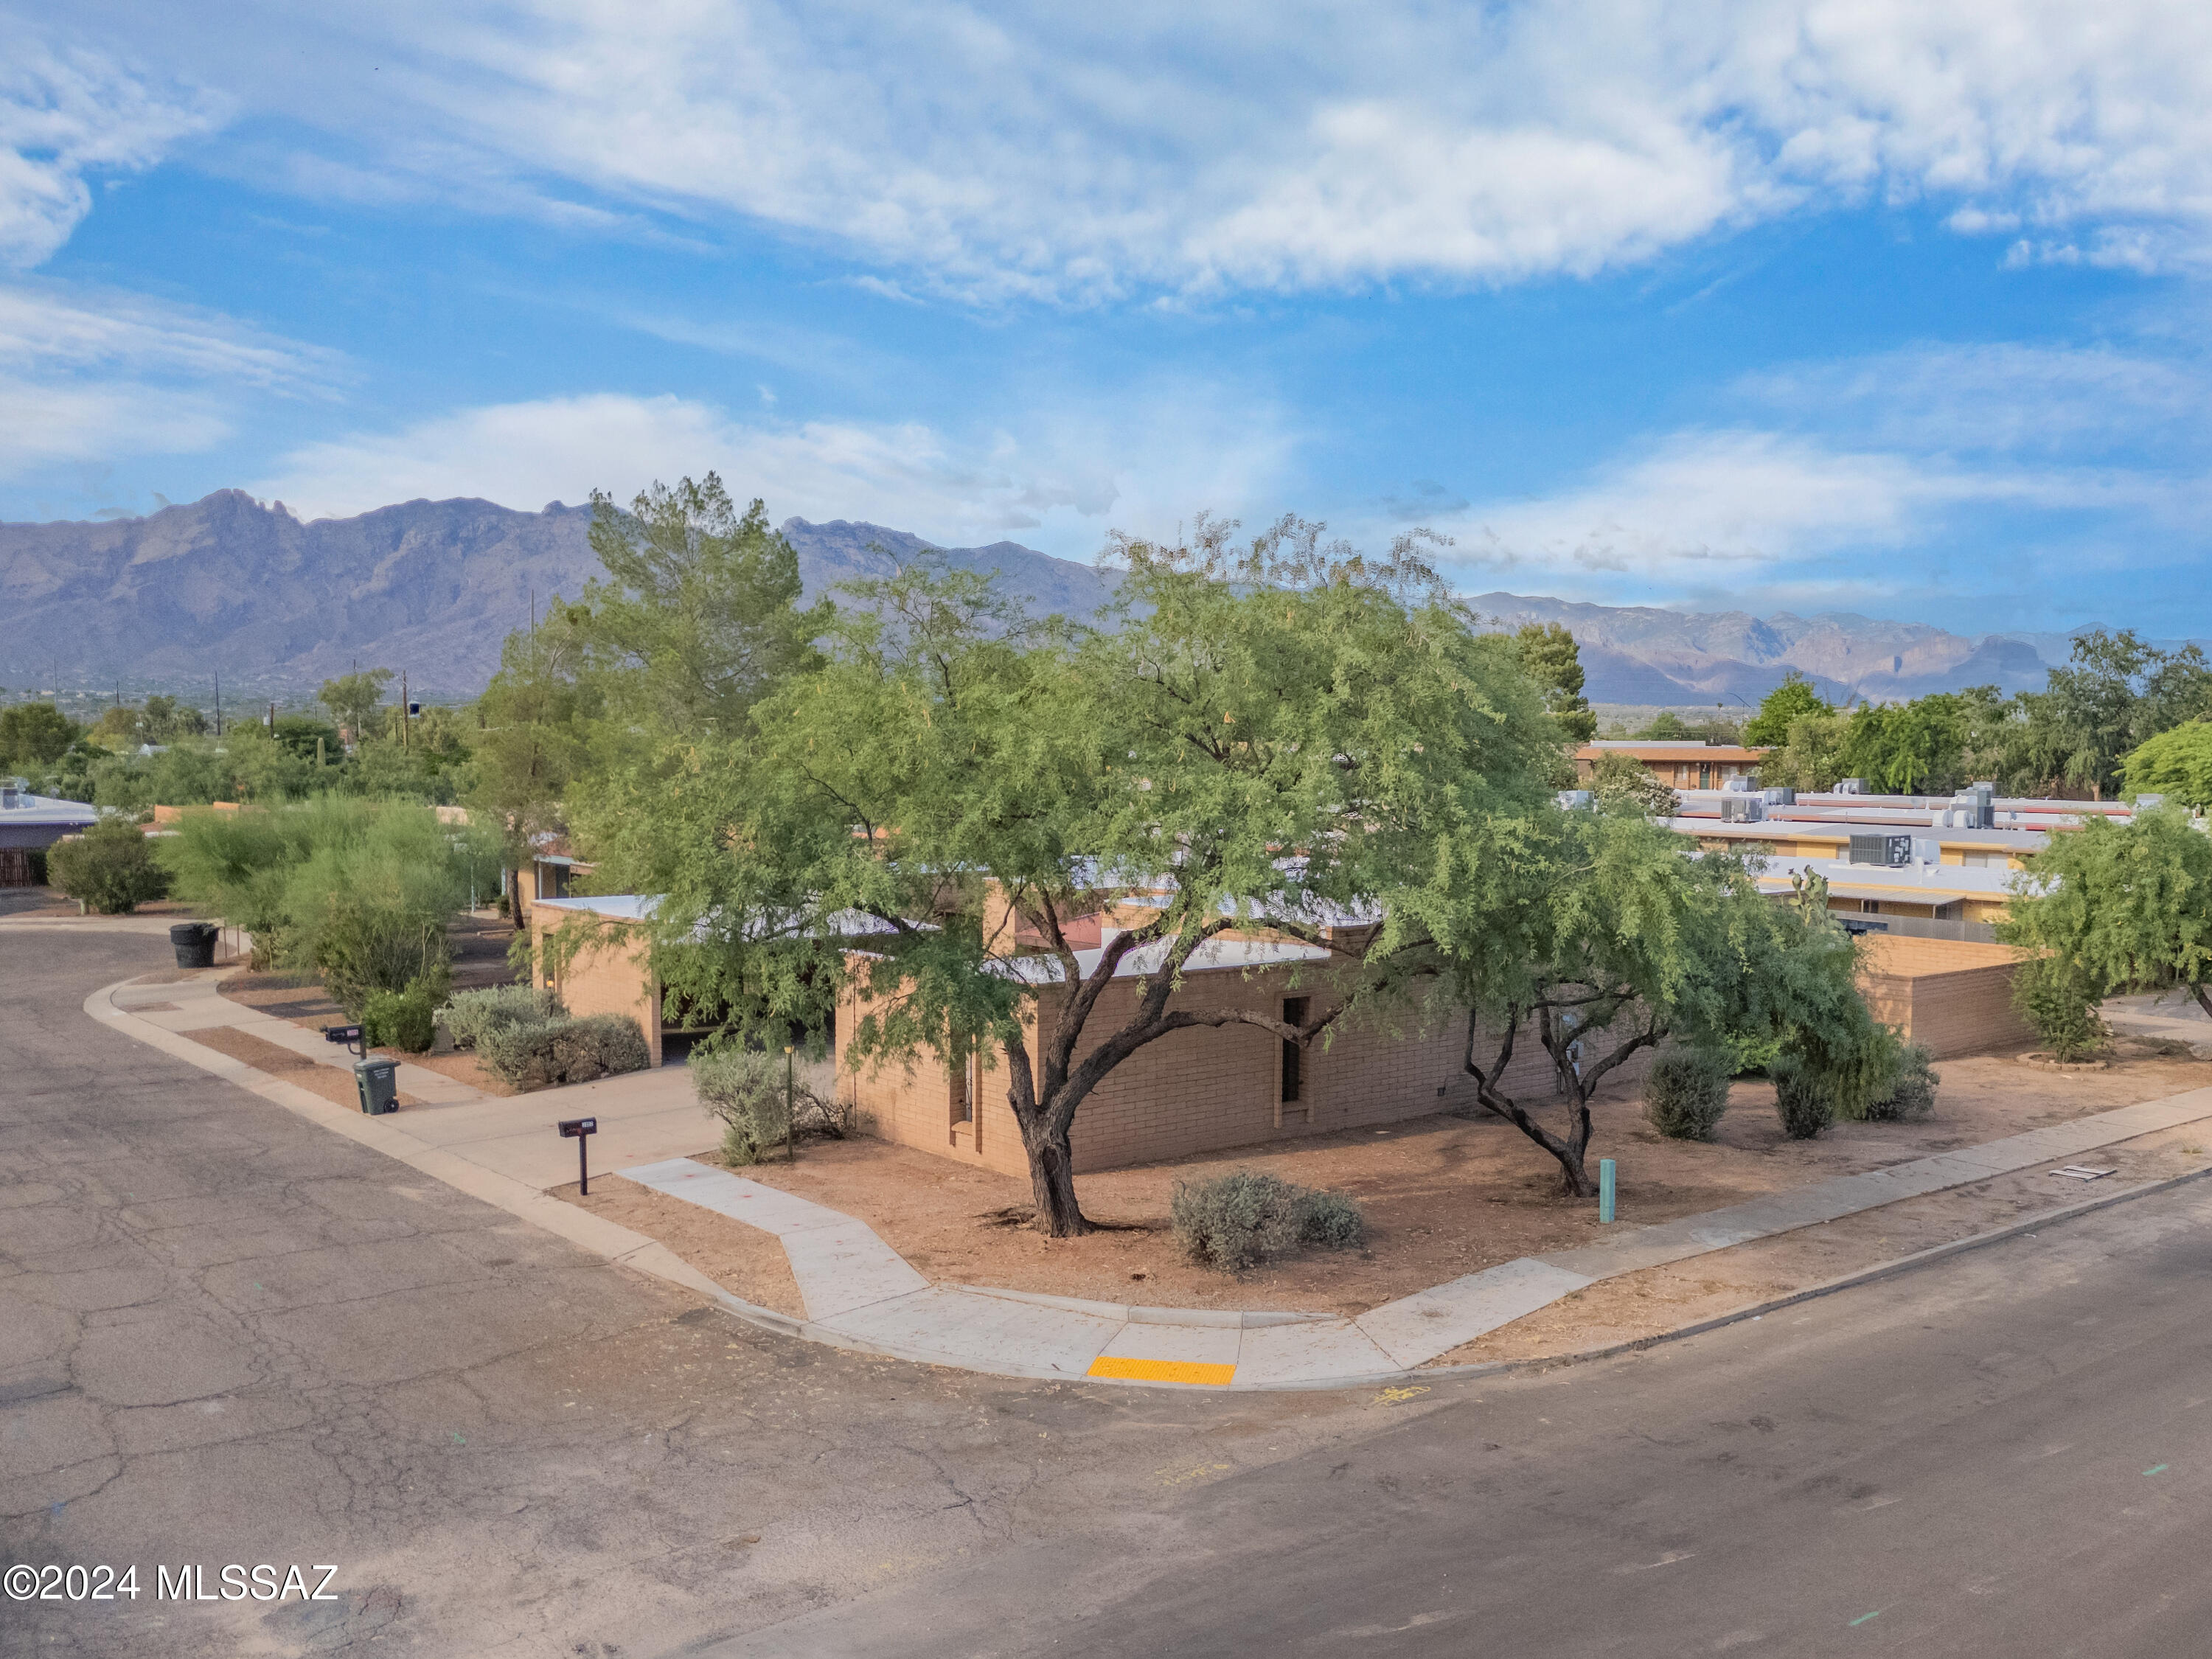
{"type": "Point", "coordinates": [378, 1080]}
{"type": "Point", "coordinates": [195, 943]}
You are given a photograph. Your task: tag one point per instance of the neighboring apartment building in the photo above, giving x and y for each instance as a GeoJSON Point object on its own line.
{"type": "Point", "coordinates": [1678, 765]}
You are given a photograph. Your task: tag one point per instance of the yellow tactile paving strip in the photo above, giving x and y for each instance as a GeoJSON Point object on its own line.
{"type": "Point", "coordinates": [1163, 1370]}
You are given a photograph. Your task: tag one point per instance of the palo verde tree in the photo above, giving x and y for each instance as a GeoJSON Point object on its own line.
{"type": "Point", "coordinates": [1596, 933]}
{"type": "Point", "coordinates": [2128, 906]}
{"type": "Point", "coordinates": [1037, 833]}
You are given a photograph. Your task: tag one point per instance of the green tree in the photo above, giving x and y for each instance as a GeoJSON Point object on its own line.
{"type": "Point", "coordinates": [1593, 935]}
{"type": "Point", "coordinates": [1620, 777]}
{"type": "Point", "coordinates": [109, 869]}
{"type": "Point", "coordinates": [534, 724]}
{"type": "Point", "coordinates": [698, 617]}
{"type": "Point", "coordinates": [2117, 692]}
{"type": "Point", "coordinates": [1549, 657]}
{"type": "Point", "coordinates": [1792, 700]}
{"type": "Point", "coordinates": [1811, 755]}
{"type": "Point", "coordinates": [1906, 749]}
{"type": "Point", "coordinates": [34, 734]}
{"type": "Point", "coordinates": [2176, 764]}
{"type": "Point", "coordinates": [353, 698]}
{"type": "Point", "coordinates": [2128, 905]}
{"type": "Point", "coordinates": [960, 787]}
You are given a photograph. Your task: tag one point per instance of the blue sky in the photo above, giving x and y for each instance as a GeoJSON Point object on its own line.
{"type": "Point", "coordinates": [1884, 306]}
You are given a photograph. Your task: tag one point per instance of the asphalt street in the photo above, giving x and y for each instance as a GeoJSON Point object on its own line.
{"type": "Point", "coordinates": [227, 1336]}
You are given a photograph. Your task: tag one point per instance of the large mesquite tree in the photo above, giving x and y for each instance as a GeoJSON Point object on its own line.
{"type": "Point", "coordinates": [1596, 934]}
{"type": "Point", "coordinates": [2129, 907]}
{"type": "Point", "coordinates": [1272, 740]}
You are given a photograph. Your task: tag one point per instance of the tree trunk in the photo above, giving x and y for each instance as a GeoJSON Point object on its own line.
{"type": "Point", "coordinates": [1051, 1183]}
{"type": "Point", "coordinates": [2203, 997]}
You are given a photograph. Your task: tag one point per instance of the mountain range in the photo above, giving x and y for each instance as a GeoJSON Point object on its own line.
{"type": "Point", "coordinates": [228, 585]}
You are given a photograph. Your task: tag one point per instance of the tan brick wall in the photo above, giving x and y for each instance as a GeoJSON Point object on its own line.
{"type": "Point", "coordinates": [608, 975]}
{"type": "Point", "coordinates": [1953, 996]}
{"type": "Point", "coordinates": [1194, 1090]}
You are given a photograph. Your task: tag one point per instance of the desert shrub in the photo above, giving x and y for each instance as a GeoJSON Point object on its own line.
{"type": "Point", "coordinates": [598, 1045]}
{"type": "Point", "coordinates": [1332, 1221]}
{"type": "Point", "coordinates": [1242, 1218]}
{"type": "Point", "coordinates": [546, 1054]}
{"type": "Point", "coordinates": [1685, 1093]}
{"type": "Point", "coordinates": [400, 1019]}
{"type": "Point", "coordinates": [1804, 1098]}
{"type": "Point", "coordinates": [2059, 999]}
{"type": "Point", "coordinates": [110, 868]}
{"type": "Point", "coordinates": [469, 1014]}
{"type": "Point", "coordinates": [744, 1089]}
{"type": "Point", "coordinates": [1911, 1093]}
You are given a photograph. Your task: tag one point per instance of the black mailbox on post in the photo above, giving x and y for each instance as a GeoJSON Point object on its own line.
{"type": "Point", "coordinates": [575, 1128]}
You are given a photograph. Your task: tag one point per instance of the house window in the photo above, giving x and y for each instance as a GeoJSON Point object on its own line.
{"type": "Point", "coordinates": [963, 1080]}
{"type": "Point", "coordinates": [1869, 906]}
{"type": "Point", "coordinates": [1294, 1014]}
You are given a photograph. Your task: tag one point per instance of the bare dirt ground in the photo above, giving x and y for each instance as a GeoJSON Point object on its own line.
{"type": "Point", "coordinates": [744, 1260]}
{"type": "Point", "coordinates": [330, 1084]}
{"type": "Point", "coordinates": [1443, 1196]}
{"type": "Point", "coordinates": [1637, 1306]}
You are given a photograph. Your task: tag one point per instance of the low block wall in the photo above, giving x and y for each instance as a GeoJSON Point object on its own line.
{"type": "Point", "coordinates": [1953, 997]}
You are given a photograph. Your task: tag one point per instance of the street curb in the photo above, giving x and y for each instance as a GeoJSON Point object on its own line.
{"type": "Point", "coordinates": [1881, 1270]}
{"type": "Point", "coordinates": [625, 1249]}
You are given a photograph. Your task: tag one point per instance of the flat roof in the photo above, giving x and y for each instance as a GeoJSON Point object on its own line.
{"type": "Point", "coordinates": [1670, 752]}
{"type": "Point", "coordinates": [48, 810]}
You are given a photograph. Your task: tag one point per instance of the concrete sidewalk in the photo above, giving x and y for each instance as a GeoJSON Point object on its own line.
{"type": "Point", "coordinates": [860, 1293]}
{"type": "Point", "coordinates": [855, 1287]}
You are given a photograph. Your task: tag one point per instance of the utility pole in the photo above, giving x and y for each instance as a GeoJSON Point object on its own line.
{"type": "Point", "coordinates": [218, 702]}
{"type": "Point", "coordinates": [406, 713]}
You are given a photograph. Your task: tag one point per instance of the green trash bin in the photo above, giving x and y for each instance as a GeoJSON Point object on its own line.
{"type": "Point", "coordinates": [378, 1080]}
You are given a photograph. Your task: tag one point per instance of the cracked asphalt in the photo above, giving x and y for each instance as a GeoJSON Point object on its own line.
{"type": "Point", "coordinates": [227, 1335]}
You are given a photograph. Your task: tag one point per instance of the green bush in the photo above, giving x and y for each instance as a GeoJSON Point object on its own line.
{"type": "Point", "coordinates": [1804, 1098]}
{"type": "Point", "coordinates": [2060, 998]}
{"type": "Point", "coordinates": [400, 1019]}
{"type": "Point", "coordinates": [1685, 1093]}
{"type": "Point", "coordinates": [745, 1090]}
{"type": "Point", "coordinates": [469, 1014]}
{"type": "Point", "coordinates": [1242, 1218]}
{"type": "Point", "coordinates": [1911, 1094]}
{"type": "Point", "coordinates": [110, 868]}
{"type": "Point", "coordinates": [551, 1053]}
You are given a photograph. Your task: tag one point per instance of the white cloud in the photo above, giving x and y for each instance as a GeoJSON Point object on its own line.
{"type": "Point", "coordinates": [42, 422]}
{"type": "Point", "coordinates": [1743, 509]}
{"type": "Point", "coordinates": [1063, 478]}
{"type": "Point", "coordinates": [65, 114]}
{"type": "Point", "coordinates": [91, 376]}
{"type": "Point", "coordinates": [1056, 150]}
{"type": "Point", "coordinates": [51, 328]}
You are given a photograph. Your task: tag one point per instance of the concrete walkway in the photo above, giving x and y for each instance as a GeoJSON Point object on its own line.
{"type": "Point", "coordinates": [860, 1293]}
{"type": "Point", "coordinates": [856, 1287]}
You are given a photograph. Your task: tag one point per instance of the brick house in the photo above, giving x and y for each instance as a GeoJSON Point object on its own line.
{"type": "Point", "coordinates": [1694, 765]}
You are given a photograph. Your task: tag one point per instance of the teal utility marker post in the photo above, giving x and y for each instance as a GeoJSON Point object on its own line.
{"type": "Point", "coordinates": [1605, 1189]}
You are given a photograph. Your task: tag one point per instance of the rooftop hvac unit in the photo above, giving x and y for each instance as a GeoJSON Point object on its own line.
{"type": "Point", "coordinates": [1785, 796]}
{"type": "Point", "coordinates": [1744, 809]}
{"type": "Point", "coordinates": [1736, 785]}
{"type": "Point", "coordinates": [1573, 798]}
{"type": "Point", "coordinates": [1979, 806]}
{"type": "Point", "coordinates": [1891, 852]}
{"type": "Point", "coordinates": [1852, 787]}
